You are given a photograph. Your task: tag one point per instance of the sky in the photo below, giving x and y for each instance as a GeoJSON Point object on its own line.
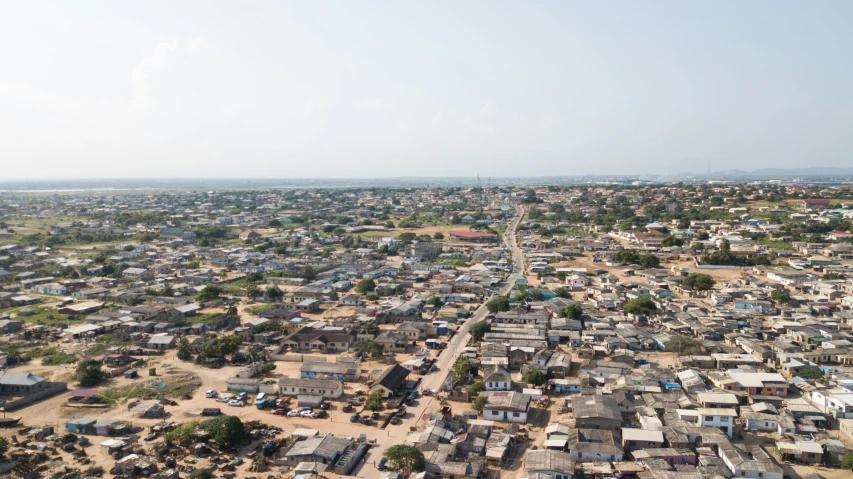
{"type": "Point", "coordinates": [337, 89]}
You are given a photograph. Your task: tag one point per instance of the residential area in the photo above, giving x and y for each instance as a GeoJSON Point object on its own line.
{"type": "Point", "coordinates": [612, 330]}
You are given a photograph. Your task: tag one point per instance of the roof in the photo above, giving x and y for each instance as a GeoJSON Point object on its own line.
{"type": "Point", "coordinates": [471, 234]}
{"type": "Point", "coordinates": [596, 407]}
{"type": "Point", "coordinates": [393, 378]}
{"type": "Point", "coordinates": [326, 447]}
{"type": "Point", "coordinates": [508, 400]}
{"type": "Point", "coordinates": [633, 434]}
{"type": "Point", "coordinates": [14, 378]}
{"type": "Point", "coordinates": [548, 460]}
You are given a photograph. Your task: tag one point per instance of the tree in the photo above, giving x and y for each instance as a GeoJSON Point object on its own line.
{"type": "Point", "coordinates": [649, 261]}
{"type": "Point", "coordinates": [435, 301]}
{"type": "Point", "coordinates": [4, 446]}
{"type": "Point", "coordinates": [641, 307]}
{"type": "Point", "coordinates": [252, 291]}
{"type": "Point", "coordinates": [833, 275]}
{"type": "Point", "coordinates": [274, 223]}
{"type": "Point", "coordinates": [184, 350]}
{"type": "Point", "coordinates": [479, 403]}
{"type": "Point", "coordinates": [847, 461]}
{"type": "Point", "coordinates": [475, 389]}
{"type": "Point", "coordinates": [405, 458]}
{"type": "Point", "coordinates": [227, 431]}
{"type": "Point", "coordinates": [683, 345]}
{"type": "Point", "coordinates": [374, 401]}
{"type": "Point", "coordinates": [438, 235]}
{"type": "Point", "coordinates": [369, 348]}
{"type": "Point", "coordinates": [810, 373]}
{"type": "Point", "coordinates": [461, 370]}
{"type": "Point", "coordinates": [369, 327]}
{"type": "Point", "coordinates": [89, 373]}
{"type": "Point", "coordinates": [365, 285]}
{"type": "Point", "coordinates": [201, 474]}
{"type": "Point", "coordinates": [309, 273]}
{"type": "Point", "coordinates": [407, 237]}
{"type": "Point", "coordinates": [534, 376]}
{"type": "Point", "coordinates": [479, 329]}
{"type": "Point", "coordinates": [699, 282]}
{"type": "Point", "coordinates": [210, 292]}
{"type": "Point", "coordinates": [626, 256]}
{"type": "Point", "coordinates": [231, 308]}
{"type": "Point", "coordinates": [272, 293]}
{"type": "Point", "coordinates": [780, 296]}
{"type": "Point", "coordinates": [497, 304]}
{"type": "Point", "coordinates": [167, 291]}
{"type": "Point", "coordinates": [572, 311]}
{"type": "Point", "coordinates": [703, 236]}
{"type": "Point", "coordinates": [562, 293]}
{"type": "Point", "coordinates": [670, 241]}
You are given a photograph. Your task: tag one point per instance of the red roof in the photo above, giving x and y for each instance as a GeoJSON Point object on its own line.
{"type": "Point", "coordinates": [471, 234]}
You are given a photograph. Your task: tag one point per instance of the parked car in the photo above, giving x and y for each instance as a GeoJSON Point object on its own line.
{"type": "Point", "coordinates": [382, 462]}
{"type": "Point", "coordinates": [309, 414]}
{"type": "Point", "coordinates": [426, 392]}
{"type": "Point", "coordinates": [354, 418]}
{"type": "Point", "coordinates": [235, 402]}
{"type": "Point", "coordinates": [321, 414]}
{"type": "Point", "coordinates": [325, 405]}
{"type": "Point", "coordinates": [374, 416]}
{"type": "Point", "coordinates": [260, 397]}
{"type": "Point", "coordinates": [211, 393]}
{"type": "Point", "coordinates": [293, 414]}
{"type": "Point", "coordinates": [347, 407]}
{"type": "Point", "coordinates": [282, 411]}
{"type": "Point", "coordinates": [396, 420]}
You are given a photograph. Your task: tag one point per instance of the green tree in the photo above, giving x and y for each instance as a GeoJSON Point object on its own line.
{"type": "Point", "coordinates": [89, 373]}
{"type": "Point", "coordinates": [833, 275]}
{"type": "Point", "coordinates": [534, 376]}
{"type": "Point", "coordinates": [365, 285]}
{"type": "Point", "coordinates": [699, 282]}
{"type": "Point", "coordinates": [498, 304]}
{"type": "Point", "coordinates": [210, 292]}
{"type": "Point", "coordinates": [479, 329]}
{"type": "Point", "coordinates": [273, 293]}
{"type": "Point", "coordinates": [184, 350]}
{"type": "Point", "coordinates": [703, 236]}
{"type": "Point", "coordinates": [438, 235]}
{"type": "Point", "coordinates": [780, 296]}
{"type": "Point", "coordinates": [274, 223]}
{"type": "Point", "coordinates": [252, 291]}
{"type": "Point", "coordinates": [374, 401]}
{"type": "Point", "coordinates": [461, 370]}
{"type": "Point", "coordinates": [309, 273]}
{"type": "Point", "coordinates": [641, 307]}
{"type": "Point", "coordinates": [202, 473]}
{"type": "Point", "coordinates": [369, 348]}
{"type": "Point", "coordinates": [435, 301]}
{"type": "Point", "coordinates": [649, 261]}
{"type": "Point", "coordinates": [227, 431]}
{"type": "Point", "coordinates": [670, 241]}
{"type": "Point", "coordinates": [810, 373]}
{"type": "Point", "coordinates": [407, 237]}
{"type": "Point", "coordinates": [847, 461]}
{"type": "Point", "coordinates": [370, 327]}
{"type": "Point", "coordinates": [626, 256]}
{"type": "Point", "coordinates": [475, 389]}
{"type": "Point", "coordinates": [405, 458]}
{"type": "Point", "coordinates": [562, 293]}
{"type": "Point", "coordinates": [572, 311]}
{"type": "Point", "coordinates": [683, 345]}
{"type": "Point", "coordinates": [167, 291]}
{"type": "Point", "coordinates": [4, 446]}
{"type": "Point", "coordinates": [479, 403]}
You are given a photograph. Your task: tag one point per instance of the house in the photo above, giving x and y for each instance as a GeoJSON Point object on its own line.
{"type": "Point", "coordinates": [20, 383]}
{"type": "Point", "coordinates": [721, 418]}
{"type": "Point", "coordinates": [473, 236]}
{"type": "Point", "coordinates": [309, 339]}
{"type": "Point", "coordinates": [549, 463]}
{"type": "Point", "coordinates": [751, 462]}
{"type": "Point", "coordinates": [596, 412]}
{"type": "Point", "coordinates": [814, 204]}
{"type": "Point", "coordinates": [249, 235]}
{"type": "Point", "coordinates": [497, 378]}
{"type": "Point", "coordinates": [172, 234]}
{"type": "Point", "coordinates": [593, 445]}
{"type": "Point", "coordinates": [343, 371]}
{"type": "Point", "coordinates": [633, 438]}
{"type": "Point", "coordinates": [391, 380]}
{"type": "Point", "coordinates": [141, 274]}
{"type": "Point", "coordinates": [10, 326]}
{"type": "Point", "coordinates": [350, 300]}
{"type": "Point", "coordinates": [247, 385]}
{"type": "Point", "coordinates": [160, 341]}
{"type": "Point", "coordinates": [508, 406]}
{"type": "Point", "coordinates": [327, 388]}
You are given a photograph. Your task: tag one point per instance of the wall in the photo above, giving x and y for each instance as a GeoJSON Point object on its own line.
{"type": "Point", "coordinates": [52, 388]}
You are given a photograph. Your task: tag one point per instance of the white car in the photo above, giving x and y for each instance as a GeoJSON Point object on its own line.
{"type": "Point", "coordinates": [235, 402]}
{"type": "Point", "coordinates": [293, 414]}
{"type": "Point", "coordinates": [211, 393]}
{"type": "Point", "coordinates": [260, 397]}
{"type": "Point", "coordinates": [310, 414]}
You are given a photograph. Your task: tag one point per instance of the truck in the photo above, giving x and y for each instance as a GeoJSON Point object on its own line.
{"type": "Point", "coordinates": [262, 403]}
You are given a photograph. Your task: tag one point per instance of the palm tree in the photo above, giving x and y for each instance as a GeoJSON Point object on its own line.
{"type": "Point", "coordinates": [231, 308]}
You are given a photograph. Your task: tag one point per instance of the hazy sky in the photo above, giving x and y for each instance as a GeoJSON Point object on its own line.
{"type": "Point", "coordinates": [391, 88]}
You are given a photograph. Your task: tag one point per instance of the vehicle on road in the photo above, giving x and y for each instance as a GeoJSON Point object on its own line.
{"type": "Point", "coordinates": [282, 411]}
{"type": "Point", "coordinates": [354, 418]}
{"type": "Point", "coordinates": [293, 414]}
{"type": "Point", "coordinates": [235, 403]}
{"type": "Point", "coordinates": [426, 391]}
{"type": "Point", "coordinates": [321, 414]}
{"type": "Point", "coordinates": [382, 462]}
{"type": "Point", "coordinates": [211, 393]}
{"type": "Point", "coordinates": [308, 414]}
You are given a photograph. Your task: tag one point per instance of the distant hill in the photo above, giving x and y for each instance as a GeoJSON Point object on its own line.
{"type": "Point", "coordinates": [798, 172]}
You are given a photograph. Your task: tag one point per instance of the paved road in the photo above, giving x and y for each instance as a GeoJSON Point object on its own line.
{"type": "Point", "coordinates": [397, 434]}
{"type": "Point", "coordinates": [434, 381]}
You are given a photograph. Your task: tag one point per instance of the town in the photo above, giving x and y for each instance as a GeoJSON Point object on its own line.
{"type": "Point", "coordinates": [628, 330]}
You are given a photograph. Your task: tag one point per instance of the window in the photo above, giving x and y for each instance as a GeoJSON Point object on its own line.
{"type": "Point", "coordinates": [724, 419]}
{"type": "Point", "coordinates": [515, 414]}
{"type": "Point", "coordinates": [709, 418]}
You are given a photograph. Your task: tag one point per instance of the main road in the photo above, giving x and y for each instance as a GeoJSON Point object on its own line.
{"type": "Point", "coordinates": [450, 354]}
